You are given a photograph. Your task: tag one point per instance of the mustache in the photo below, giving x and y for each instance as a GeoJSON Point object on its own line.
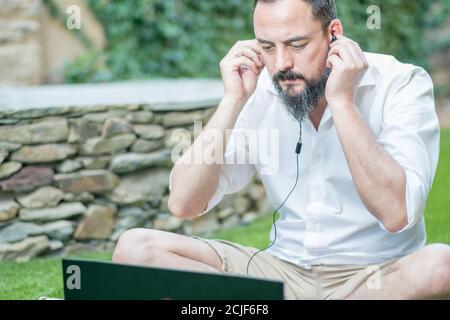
{"type": "Point", "coordinates": [288, 75]}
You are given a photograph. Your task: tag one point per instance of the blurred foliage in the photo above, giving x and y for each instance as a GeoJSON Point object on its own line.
{"type": "Point", "coordinates": [188, 38]}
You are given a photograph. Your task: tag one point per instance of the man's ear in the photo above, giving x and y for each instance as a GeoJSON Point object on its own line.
{"type": "Point", "coordinates": [335, 28]}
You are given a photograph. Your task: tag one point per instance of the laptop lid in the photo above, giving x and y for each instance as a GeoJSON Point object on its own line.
{"type": "Point", "coordinates": [88, 279]}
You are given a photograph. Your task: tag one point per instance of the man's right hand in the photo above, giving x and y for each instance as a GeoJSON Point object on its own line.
{"type": "Point", "coordinates": [240, 70]}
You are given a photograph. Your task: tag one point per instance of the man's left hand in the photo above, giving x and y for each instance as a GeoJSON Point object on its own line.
{"type": "Point", "coordinates": [348, 65]}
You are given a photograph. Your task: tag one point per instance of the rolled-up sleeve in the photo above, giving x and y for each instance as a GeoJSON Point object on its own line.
{"type": "Point", "coordinates": [234, 175]}
{"type": "Point", "coordinates": [410, 134]}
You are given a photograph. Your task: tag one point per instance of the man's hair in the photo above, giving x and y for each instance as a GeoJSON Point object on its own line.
{"type": "Point", "coordinates": [323, 10]}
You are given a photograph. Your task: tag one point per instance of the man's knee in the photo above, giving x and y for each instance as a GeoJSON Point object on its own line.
{"type": "Point", "coordinates": [436, 258]}
{"type": "Point", "coordinates": [132, 244]}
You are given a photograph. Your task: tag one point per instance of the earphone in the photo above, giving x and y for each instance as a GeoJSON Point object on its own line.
{"type": "Point", "coordinates": [298, 149]}
{"type": "Point", "coordinates": [333, 38]}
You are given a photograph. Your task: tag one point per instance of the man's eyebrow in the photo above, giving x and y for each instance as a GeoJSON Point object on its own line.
{"type": "Point", "coordinates": [293, 39]}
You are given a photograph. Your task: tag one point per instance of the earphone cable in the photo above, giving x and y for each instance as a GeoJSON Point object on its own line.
{"type": "Point", "coordinates": [297, 151]}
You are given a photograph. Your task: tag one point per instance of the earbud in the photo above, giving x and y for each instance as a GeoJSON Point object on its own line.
{"type": "Point", "coordinates": [334, 38]}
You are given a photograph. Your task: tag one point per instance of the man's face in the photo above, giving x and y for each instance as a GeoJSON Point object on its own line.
{"type": "Point", "coordinates": [295, 49]}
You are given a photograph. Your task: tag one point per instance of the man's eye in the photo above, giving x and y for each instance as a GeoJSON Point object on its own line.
{"type": "Point", "coordinates": [298, 46]}
{"type": "Point", "coordinates": [267, 48]}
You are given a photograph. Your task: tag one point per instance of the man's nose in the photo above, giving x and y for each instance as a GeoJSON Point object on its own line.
{"type": "Point", "coordinates": [284, 61]}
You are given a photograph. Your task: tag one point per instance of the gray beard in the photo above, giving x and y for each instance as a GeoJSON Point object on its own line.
{"type": "Point", "coordinates": [300, 105]}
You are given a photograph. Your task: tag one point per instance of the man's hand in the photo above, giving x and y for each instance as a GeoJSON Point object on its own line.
{"type": "Point", "coordinates": [240, 70]}
{"type": "Point", "coordinates": [348, 65]}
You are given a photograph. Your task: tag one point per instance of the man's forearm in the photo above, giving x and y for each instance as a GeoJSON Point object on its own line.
{"type": "Point", "coordinates": [196, 174]}
{"type": "Point", "coordinates": [379, 179]}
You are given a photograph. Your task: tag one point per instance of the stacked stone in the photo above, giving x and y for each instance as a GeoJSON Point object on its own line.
{"type": "Point", "coordinates": [71, 175]}
{"type": "Point", "coordinates": [20, 41]}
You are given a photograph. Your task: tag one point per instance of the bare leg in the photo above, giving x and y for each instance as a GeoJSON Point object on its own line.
{"type": "Point", "coordinates": [424, 274]}
{"type": "Point", "coordinates": [167, 250]}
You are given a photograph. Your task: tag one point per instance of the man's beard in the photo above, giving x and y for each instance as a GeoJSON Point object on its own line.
{"type": "Point", "coordinates": [307, 100]}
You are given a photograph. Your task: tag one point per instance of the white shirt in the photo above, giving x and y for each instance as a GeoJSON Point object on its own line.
{"type": "Point", "coordinates": [324, 220]}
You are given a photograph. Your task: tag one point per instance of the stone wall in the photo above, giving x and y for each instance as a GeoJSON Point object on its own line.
{"type": "Point", "coordinates": [72, 174]}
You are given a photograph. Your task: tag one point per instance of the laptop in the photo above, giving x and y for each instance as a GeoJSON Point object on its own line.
{"type": "Point", "coordinates": [98, 280]}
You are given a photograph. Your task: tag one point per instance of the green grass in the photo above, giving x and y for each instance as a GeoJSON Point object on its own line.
{"type": "Point", "coordinates": [437, 212]}
{"type": "Point", "coordinates": [42, 277]}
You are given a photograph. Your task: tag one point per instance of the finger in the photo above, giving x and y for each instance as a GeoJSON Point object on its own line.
{"type": "Point", "coordinates": [249, 53]}
{"type": "Point", "coordinates": [333, 61]}
{"type": "Point", "coordinates": [362, 56]}
{"type": "Point", "coordinates": [252, 44]}
{"type": "Point", "coordinates": [246, 63]}
{"type": "Point", "coordinates": [341, 40]}
{"type": "Point", "coordinates": [344, 53]}
{"type": "Point", "coordinates": [358, 57]}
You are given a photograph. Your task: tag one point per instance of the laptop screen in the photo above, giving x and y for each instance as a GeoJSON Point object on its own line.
{"type": "Point", "coordinates": [96, 280]}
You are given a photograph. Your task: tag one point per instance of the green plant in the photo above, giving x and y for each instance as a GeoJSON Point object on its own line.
{"type": "Point", "coordinates": [187, 38]}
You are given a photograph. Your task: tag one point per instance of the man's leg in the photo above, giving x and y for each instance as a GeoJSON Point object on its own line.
{"type": "Point", "coordinates": [424, 274]}
{"type": "Point", "coordinates": [164, 249]}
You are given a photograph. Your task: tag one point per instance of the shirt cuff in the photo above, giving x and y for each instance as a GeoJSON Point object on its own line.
{"type": "Point", "coordinates": [415, 202]}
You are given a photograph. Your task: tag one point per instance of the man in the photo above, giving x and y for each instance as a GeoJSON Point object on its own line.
{"type": "Point", "coordinates": [370, 144]}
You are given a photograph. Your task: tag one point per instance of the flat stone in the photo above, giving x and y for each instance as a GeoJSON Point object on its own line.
{"type": "Point", "coordinates": [167, 222]}
{"type": "Point", "coordinates": [95, 163]}
{"type": "Point", "coordinates": [3, 155]}
{"type": "Point", "coordinates": [101, 117]}
{"type": "Point", "coordinates": [60, 230]}
{"type": "Point", "coordinates": [40, 132]}
{"type": "Point", "coordinates": [98, 146]}
{"type": "Point", "coordinates": [81, 130]}
{"type": "Point", "coordinates": [24, 250]}
{"type": "Point", "coordinates": [132, 217]}
{"type": "Point", "coordinates": [8, 121]}
{"type": "Point", "coordinates": [116, 126]}
{"type": "Point", "coordinates": [42, 198]}
{"type": "Point", "coordinates": [179, 137]}
{"type": "Point", "coordinates": [68, 166]}
{"type": "Point", "coordinates": [149, 132]}
{"type": "Point", "coordinates": [55, 245]}
{"type": "Point", "coordinates": [225, 213]}
{"type": "Point", "coordinates": [63, 211]}
{"type": "Point", "coordinates": [241, 205]}
{"type": "Point", "coordinates": [140, 187]}
{"type": "Point", "coordinates": [203, 225]}
{"type": "Point", "coordinates": [87, 181]}
{"type": "Point", "coordinates": [174, 119]}
{"type": "Point", "coordinates": [9, 168]}
{"type": "Point", "coordinates": [153, 95]}
{"type": "Point", "coordinates": [9, 146]}
{"type": "Point", "coordinates": [249, 217]}
{"type": "Point", "coordinates": [140, 117]}
{"type": "Point", "coordinates": [79, 197]}
{"type": "Point", "coordinates": [19, 231]}
{"type": "Point", "coordinates": [257, 192]}
{"type": "Point", "coordinates": [44, 153]}
{"type": "Point", "coordinates": [97, 224]}
{"type": "Point", "coordinates": [231, 221]}
{"type": "Point", "coordinates": [28, 178]}
{"type": "Point", "coordinates": [144, 146]}
{"type": "Point", "coordinates": [136, 161]}
{"type": "Point", "coordinates": [8, 209]}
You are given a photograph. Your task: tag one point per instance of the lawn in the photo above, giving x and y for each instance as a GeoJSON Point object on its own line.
{"type": "Point", "coordinates": [42, 277]}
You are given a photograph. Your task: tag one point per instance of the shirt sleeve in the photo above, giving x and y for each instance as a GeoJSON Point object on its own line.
{"type": "Point", "coordinates": [235, 173]}
{"type": "Point", "coordinates": [410, 134]}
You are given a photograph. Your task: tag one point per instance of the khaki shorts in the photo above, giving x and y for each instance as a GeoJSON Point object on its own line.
{"type": "Point", "coordinates": [319, 282]}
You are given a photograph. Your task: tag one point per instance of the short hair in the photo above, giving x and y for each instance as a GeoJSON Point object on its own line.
{"type": "Point", "coordinates": [323, 10]}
